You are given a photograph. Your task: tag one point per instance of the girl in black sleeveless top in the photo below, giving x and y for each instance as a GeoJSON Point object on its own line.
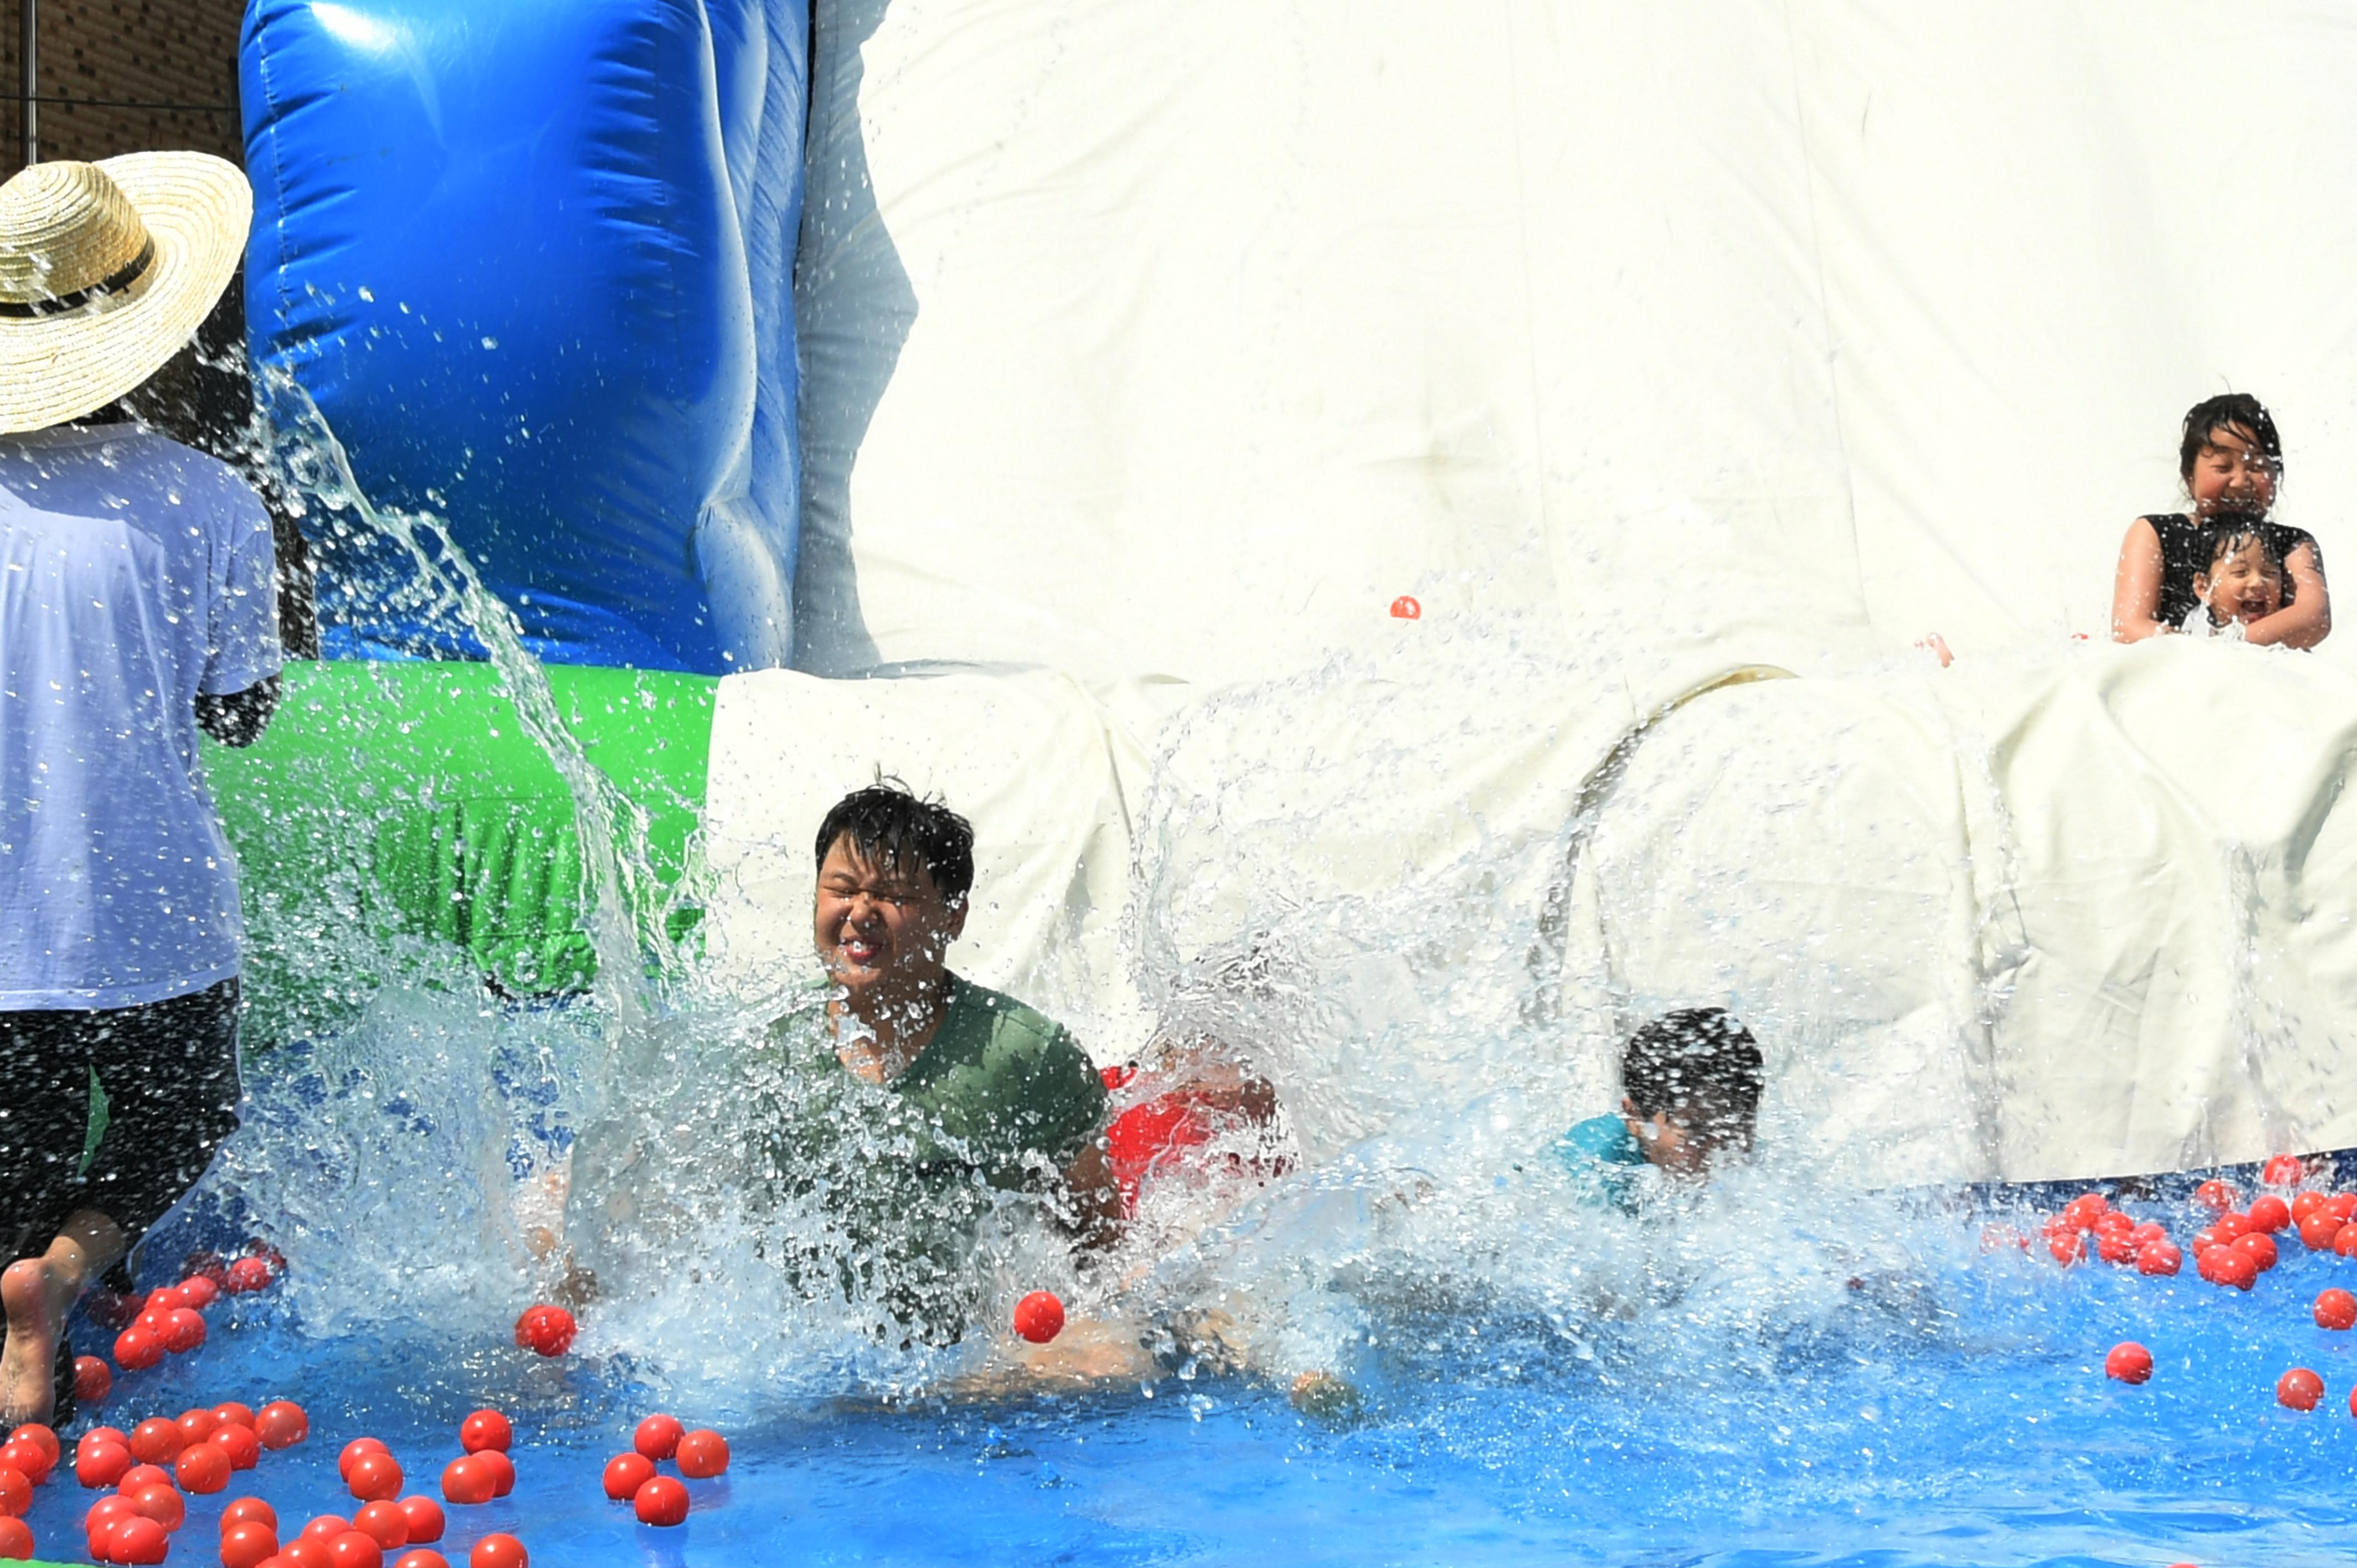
{"type": "Point", "coordinates": [2230, 459]}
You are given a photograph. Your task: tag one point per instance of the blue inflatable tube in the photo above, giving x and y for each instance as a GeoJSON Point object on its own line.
{"type": "Point", "coordinates": [532, 261]}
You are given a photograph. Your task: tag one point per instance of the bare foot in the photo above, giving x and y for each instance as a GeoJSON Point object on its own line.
{"type": "Point", "coordinates": [37, 1299]}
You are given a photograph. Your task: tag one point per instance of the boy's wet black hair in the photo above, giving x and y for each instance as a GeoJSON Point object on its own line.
{"type": "Point", "coordinates": [1700, 1067]}
{"type": "Point", "coordinates": [891, 826]}
{"type": "Point", "coordinates": [2229, 537]}
{"type": "Point", "coordinates": [2239, 409]}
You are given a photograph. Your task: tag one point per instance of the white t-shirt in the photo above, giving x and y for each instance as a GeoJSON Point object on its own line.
{"type": "Point", "coordinates": [135, 573]}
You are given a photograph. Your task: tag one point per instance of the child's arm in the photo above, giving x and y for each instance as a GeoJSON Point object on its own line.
{"type": "Point", "coordinates": [2136, 586]}
{"type": "Point", "coordinates": [2308, 619]}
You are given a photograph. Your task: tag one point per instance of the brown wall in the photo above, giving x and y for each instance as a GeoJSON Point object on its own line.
{"type": "Point", "coordinates": [143, 52]}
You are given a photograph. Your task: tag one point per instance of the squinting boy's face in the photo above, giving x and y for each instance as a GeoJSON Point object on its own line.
{"type": "Point", "coordinates": [880, 930]}
{"type": "Point", "coordinates": [2232, 474]}
{"type": "Point", "coordinates": [2244, 586]}
{"type": "Point", "coordinates": [1665, 1144]}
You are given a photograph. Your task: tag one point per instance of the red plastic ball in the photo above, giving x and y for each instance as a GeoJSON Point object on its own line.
{"type": "Point", "coordinates": [2228, 1226]}
{"type": "Point", "coordinates": [97, 1435]}
{"type": "Point", "coordinates": [40, 1436]}
{"type": "Point", "coordinates": [195, 1425]}
{"type": "Point", "coordinates": [304, 1553]}
{"type": "Point", "coordinates": [2304, 1204]}
{"type": "Point", "coordinates": [250, 1510]}
{"type": "Point", "coordinates": [140, 1475]}
{"type": "Point", "coordinates": [2160, 1258]}
{"type": "Point", "coordinates": [501, 1468]}
{"type": "Point", "coordinates": [2081, 1212]}
{"type": "Point", "coordinates": [1405, 608]}
{"type": "Point", "coordinates": [658, 1436]}
{"type": "Point", "coordinates": [231, 1412]}
{"type": "Point", "coordinates": [424, 1515]}
{"type": "Point", "coordinates": [137, 1541]}
{"type": "Point", "coordinates": [2283, 1170]}
{"type": "Point", "coordinates": [2344, 1241]}
{"type": "Point", "coordinates": [281, 1423]}
{"type": "Point", "coordinates": [201, 1470]}
{"type": "Point", "coordinates": [2317, 1231]}
{"type": "Point", "coordinates": [548, 1330]}
{"type": "Point", "coordinates": [499, 1552]}
{"type": "Point", "coordinates": [247, 1275]}
{"type": "Point", "coordinates": [354, 1451]}
{"type": "Point", "coordinates": [94, 1380]}
{"type": "Point", "coordinates": [374, 1477]}
{"type": "Point", "coordinates": [466, 1481]}
{"type": "Point", "coordinates": [2066, 1246]}
{"type": "Point", "coordinates": [244, 1448]}
{"type": "Point", "coordinates": [625, 1474]}
{"type": "Point", "coordinates": [2269, 1214]}
{"type": "Point", "coordinates": [421, 1558]}
{"type": "Point", "coordinates": [105, 1512]}
{"type": "Point", "coordinates": [384, 1523]}
{"type": "Point", "coordinates": [2336, 1309]}
{"type": "Point", "coordinates": [703, 1454]}
{"type": "Point", "coordinates": [355, 1549]}
{"type": "Point", "coordinates": [2343, 1205]}
{"type": "Point", "coordinates": [248, 1545]}
{"type": "Point", "coordinates": [101, 1464]}
{"type": "Point", "coordinates": [135, 1349]}
{"type": "Point", "coordinates": [155, 1440]}
{"type": "Point", "coordinates": [2300, 1389]}
{"type": "Point", "coordinates": [163, 1298]}
{"type": "Point", "coordinates": [2231, 1266]}
{"type": "Point", "coordinates": [2261, 1249]}
{"type": "Point", "coordinates": [660, 1501]}
{"type": "Point", "coordinates": [2129, 1362]}
{"type": "Point", "coordinates": [200, 1292]}
{"type": "Point", "coordinates": [15, 1493]}
{"type": "Point", "coordinates": [27, 1459]}
{"type": "Point", "coordinates": [184, 1330]}
{"type": "Point", "coordinates": [15, 1540]}
{"type": "Point", "coordinates": [486, 1429]}
{"type": "Point", "coordinates": [2115, 1247]}
{"type": "Point", "coordinates": [163, 1504]}
{"type": "Point", "coordinates": [1039, 1316]}
{"type": "Point", "coordinates": [326, 1528]}
{"type": "Point", "coordinates": [2216, 1196]}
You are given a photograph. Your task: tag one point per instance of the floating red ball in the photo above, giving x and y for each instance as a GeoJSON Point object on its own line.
{"type": "Point", "coordinates": [101, 1464]}
{"type": "Point", "coordinates": [15, 1494]}
{"type": "Point", "coordinates": [1039, 1316]}
{"type": "Point", "coordinates": [501, 1468]}
{"type": "Point", "coordinates": [155, 1440]}
{"type": "Point", "coordinates": [625, 1474]}
{"type": "Point", "coordinates": [2300, 1389]}
{"type": "Point", "coordinates": [384, 1523]}
{"type": "Point", "coordinates": [2269, 1214]}
{"type": "Point", "coordinates": [355, 1549]}
{"type": "Point", "coordinates": [326, 1528]}
{"type": "Point", "coordinates": [247, 1275]}
{"type": "Point", "coordinates": [2115, 1247]}
{"type": "Point", "coordinates": [486, 1429]}
{"type": "Point", "coordinates": [703, 1454]}
{"type": "Point", "coordinates": [163, 1504]}
{"type": "Point", "coordinates": [250, 1510]}
{"type": "Point", "coordinates": [231, 1412]}
{"type": "Point", "coordinates": [499, 1552]}
{"type": "Point", "coordinates": [195, 1425]}
{"type": "Point", "coordinates": [356, 1450]}
{"type": "Point", "coordinates": [248, 1545]}
{"type": "Point", "coordinates": [2066, 1246]}
{"type": "Point", "coordinates": [424, 1518]}
{"type": "Point", "coordinates": [2229, 1225]}
{"type": "Point", "coordinates": [200, 1292]}
{"type": "Point", "coordinates": [2336, 1309]}
{"type": "Point", "coordinates": [244, 1448]}
{"type": "Point", "coordinates": [546, 1330]}
{"type": "Point", "coordinates": [658, 1436]}
{"type": "Point", "coordinates": [374, 1477]}
{"type": "Point", "coordinates": [306, 1554]}
{"type": "Point", "coordinates": [40, 1436]}
{"type": "Point", "coordinates": [137, 1540]}
{"type": "Point", "coordinates": [2081, 1212]}
{"type": "Point", "coordinates": [184, 1330]}
{"type": "Point", "coordinates": [281, 1423]}
{"type": "Point", "coordinates": [2283, 1170]}
{"type": "Point", "coordinates": [201, 1470]}
{"type": "Point", "coordinates": [140, 1475]}
{"type": "Point", "coordinates": [2216, 1196]}
{"type": "Point", "coordinates": [2231, 1266]}
{"type": "Point", "coordinates": [94, 1380]}
{"type": "Point", "coordinates": [2159, 1258]}
{"type": "Point", "coordinates": [660, 1501]}
{"type": "Point", "coordinates": [466, 1481]}
{"type": "Point", "coordinates": [2317, 1231]}
{"type": "Point", "coordinates": [15, 1540]}
{"type": "Point", "coordinates": [420, 1558]}
{"type": "Point", "coordinates": [27, 1459]}
{"type": "Point", "coordinates": [2260, 1248]}
{"type": "Point", "coordinates": [1405, 608]}
{"type": "Point", "coordinates": [2128, 1362]}
{"type": "Point", "coordinates": [135, 1349]}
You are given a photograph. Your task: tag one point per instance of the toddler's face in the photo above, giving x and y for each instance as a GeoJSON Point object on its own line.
{"type": "Point", "coordinates": [2244, 586]}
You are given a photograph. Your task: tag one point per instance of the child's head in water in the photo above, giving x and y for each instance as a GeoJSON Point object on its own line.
{"type": "Point", "coordinates": [2244, 580]}
{"type": "Point", "coordinates": [1690, 1083]}
{"type": "Point", "coordinates": [2230, 458]}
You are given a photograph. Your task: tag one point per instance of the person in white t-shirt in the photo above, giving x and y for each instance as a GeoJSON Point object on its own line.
{"type": "Point", "coordinates": [136, 605]}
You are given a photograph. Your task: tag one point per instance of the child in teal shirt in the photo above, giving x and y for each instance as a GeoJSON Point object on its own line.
{"type": "Point", "coordinates": [1690, 1083]}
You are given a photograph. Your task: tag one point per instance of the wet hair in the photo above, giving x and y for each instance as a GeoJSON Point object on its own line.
{"type": "Point", "coordinates": [891, 826]}
{"type": "Point", "coordinates": [2239, 409]}
{"type": "Point", "coordinates": [2230, 539]}
{"type": "Point", "coordinates": [1700, 1067]}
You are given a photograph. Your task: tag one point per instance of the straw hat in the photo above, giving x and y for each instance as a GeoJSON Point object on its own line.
{"type": "Point", "coordinates": [106, 270]}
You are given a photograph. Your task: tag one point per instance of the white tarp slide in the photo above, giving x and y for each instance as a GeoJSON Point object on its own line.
{"type": "Point", "coordinates": [1160, 346]}
{"type": "Point", "coordinates": [1177, 338]}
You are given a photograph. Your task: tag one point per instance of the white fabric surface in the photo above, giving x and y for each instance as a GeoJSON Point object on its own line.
{"type": "Point", "coordinates": [135, 573]}
{"type": "Point", "coordinates": [1177, 340]}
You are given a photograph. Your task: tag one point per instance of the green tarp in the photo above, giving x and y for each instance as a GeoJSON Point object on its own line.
{"type": "Point", "coordinates": [410, 799]}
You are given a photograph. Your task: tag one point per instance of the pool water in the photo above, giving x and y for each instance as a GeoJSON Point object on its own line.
{"type": "Point", "coordinates": [1953, 1411]}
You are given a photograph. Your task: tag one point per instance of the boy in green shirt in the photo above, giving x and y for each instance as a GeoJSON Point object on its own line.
{"type": "Point", "coordinates": [932, 1094]}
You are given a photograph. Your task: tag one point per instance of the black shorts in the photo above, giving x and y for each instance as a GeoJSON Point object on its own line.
{"type": "Point", "coordinates": [169, 1071]}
